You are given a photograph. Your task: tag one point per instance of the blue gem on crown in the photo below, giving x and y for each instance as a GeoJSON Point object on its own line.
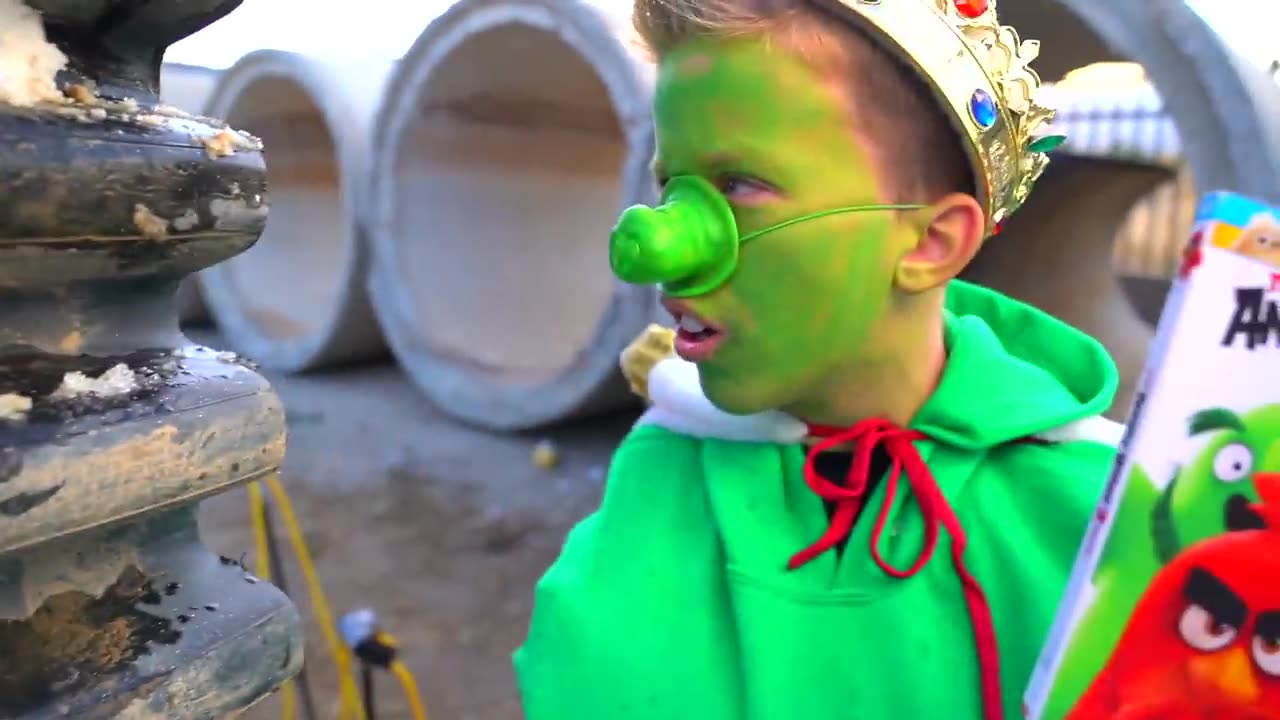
{"type": "Point", "coordinates": [983, 109]}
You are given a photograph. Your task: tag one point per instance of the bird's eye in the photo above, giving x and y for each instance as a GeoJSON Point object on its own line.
{"type": "Point", "coordinates": [1233, 462]}
{"type": "Point", "coordinates": [1202, 631]}
{"type": "Point", "coordinates": [1266, 653]}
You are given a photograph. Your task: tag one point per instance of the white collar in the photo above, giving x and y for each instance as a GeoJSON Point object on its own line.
{"type": "Point", "coordinates": [679, 405]}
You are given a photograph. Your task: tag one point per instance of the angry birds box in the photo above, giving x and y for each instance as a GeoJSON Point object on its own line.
{"type": "Point", "coordinates": [1172, 611]}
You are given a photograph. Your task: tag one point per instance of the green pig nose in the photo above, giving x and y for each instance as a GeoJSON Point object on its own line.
{"type": "Point", "coordinates": [688, 244]}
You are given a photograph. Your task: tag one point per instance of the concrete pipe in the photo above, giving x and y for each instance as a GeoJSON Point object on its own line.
{"type": "Point", "coordinates": [1228, 117]}
{"type": "Point", "coordinates": [188, 87]}
{"type": "Point", "coordinates": [1226, 111]}
{"type": "Point", "coordinates": [511, 135]}
{"type": "Point", "coordinates": [297, 300]}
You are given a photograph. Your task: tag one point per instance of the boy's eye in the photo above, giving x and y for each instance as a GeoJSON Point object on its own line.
{"type": "Point", "coordinates": [744, 190]}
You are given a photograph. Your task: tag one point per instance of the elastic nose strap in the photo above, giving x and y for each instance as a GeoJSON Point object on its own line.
{"type": "Point", "coordinates": [825, 213]}
{"type": "Point", "coordinates": [689, 243]}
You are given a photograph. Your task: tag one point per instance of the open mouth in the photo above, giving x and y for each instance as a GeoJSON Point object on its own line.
{"type": "Point", "coordinates": [696, 338]}
{"type": "Point", "coordinates": [1239, 514]}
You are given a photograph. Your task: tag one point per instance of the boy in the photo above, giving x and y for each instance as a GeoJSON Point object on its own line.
{"type": "Point", "coordinates": [862, 484]}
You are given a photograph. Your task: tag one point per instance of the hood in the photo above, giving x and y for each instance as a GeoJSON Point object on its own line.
{"type": "Point", "coordinates": [1012, 372]}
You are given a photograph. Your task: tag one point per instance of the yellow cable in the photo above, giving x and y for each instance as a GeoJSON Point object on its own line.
{"type": "Point", "coordinates": [262, 562]}
{"type": "Point", "coordinates": [350, 697]}
{"type": "Point", "coordinates": [346, 685]}
{"type": "Point", "coordinates": [257, 512]}
{"type": "Point", "coordinates": [410, 687]}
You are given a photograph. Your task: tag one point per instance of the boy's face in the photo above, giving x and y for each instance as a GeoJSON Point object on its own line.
{"type": "Point", "coordinates": [777, 140]}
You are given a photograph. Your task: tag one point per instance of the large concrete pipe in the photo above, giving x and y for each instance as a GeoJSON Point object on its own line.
{"type": "Point", "coordinates": [1117, 114]}
{"type": "Point", "coordinates": [188, 87]}
{"type": "Point", "coordinates": [1226, 112]}
{"type": "Point", "coordinates": [297, 300]}
{"type": "Point", "coordinates": [510, 137]}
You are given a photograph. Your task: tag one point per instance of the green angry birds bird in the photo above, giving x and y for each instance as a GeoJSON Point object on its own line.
{"type": "Point", "coordinates": [1209, 496]}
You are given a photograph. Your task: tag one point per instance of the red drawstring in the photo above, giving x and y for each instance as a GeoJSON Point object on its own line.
{"type": "Point", "coordinates": [898, 442]}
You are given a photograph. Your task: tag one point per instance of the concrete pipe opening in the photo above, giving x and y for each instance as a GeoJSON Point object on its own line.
{"type": "Point", "coordinates": [296, 300]}
{"type": "Point", "coordinates": [511, 137]}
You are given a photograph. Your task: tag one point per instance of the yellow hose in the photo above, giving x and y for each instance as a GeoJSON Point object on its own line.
{"type": "Point", "coordinates": [348, 692]}
{"type": "Point", "coordinates": [410, 688]}
{"type": "Point", "coordinates": [350, 705]}
{"type": "Point", "coordinates": [262, 566]}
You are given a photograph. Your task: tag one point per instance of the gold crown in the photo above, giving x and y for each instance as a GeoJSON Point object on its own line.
{"type": "Point", "coordinates": [979, 71]}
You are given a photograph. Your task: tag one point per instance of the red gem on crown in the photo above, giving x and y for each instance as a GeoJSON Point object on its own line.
{"type": "Point", "coordinates": [972, 8]}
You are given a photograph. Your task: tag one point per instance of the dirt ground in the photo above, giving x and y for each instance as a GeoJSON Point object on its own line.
{"type": "Point", "coordinates": [442, 529]}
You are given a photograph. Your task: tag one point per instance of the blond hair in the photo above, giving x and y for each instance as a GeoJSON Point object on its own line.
{"type": "Point", "coordinates": [893, 111]}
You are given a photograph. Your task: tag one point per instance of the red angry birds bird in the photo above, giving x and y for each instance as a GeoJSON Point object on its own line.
{"type": "Point", "coordinates": [1203, 643]}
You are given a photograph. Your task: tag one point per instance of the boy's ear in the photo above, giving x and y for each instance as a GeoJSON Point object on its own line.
{"type": "Point", "coordinates": [954, 228]}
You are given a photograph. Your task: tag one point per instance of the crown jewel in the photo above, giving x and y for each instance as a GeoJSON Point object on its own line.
{"type": "Point", "coordinates": [980, 71]}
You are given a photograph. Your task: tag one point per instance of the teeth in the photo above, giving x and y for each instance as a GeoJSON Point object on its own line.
{"type": "Point", "coordinates": [690, 324]}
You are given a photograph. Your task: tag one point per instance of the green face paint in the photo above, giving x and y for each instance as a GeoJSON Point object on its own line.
{"type": "Point", "coordinates": [757, 124]}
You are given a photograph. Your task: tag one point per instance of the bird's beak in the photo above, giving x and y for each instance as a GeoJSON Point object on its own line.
{"type": "Point", "coordinates": [1227, 674]}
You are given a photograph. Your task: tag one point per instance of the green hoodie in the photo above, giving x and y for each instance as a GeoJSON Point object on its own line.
{"type": "Point", "coordinates": [676, 601]}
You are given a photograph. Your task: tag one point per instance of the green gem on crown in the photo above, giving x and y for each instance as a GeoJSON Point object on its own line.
{"type": "Point", "coordinates": [1048, 143]}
